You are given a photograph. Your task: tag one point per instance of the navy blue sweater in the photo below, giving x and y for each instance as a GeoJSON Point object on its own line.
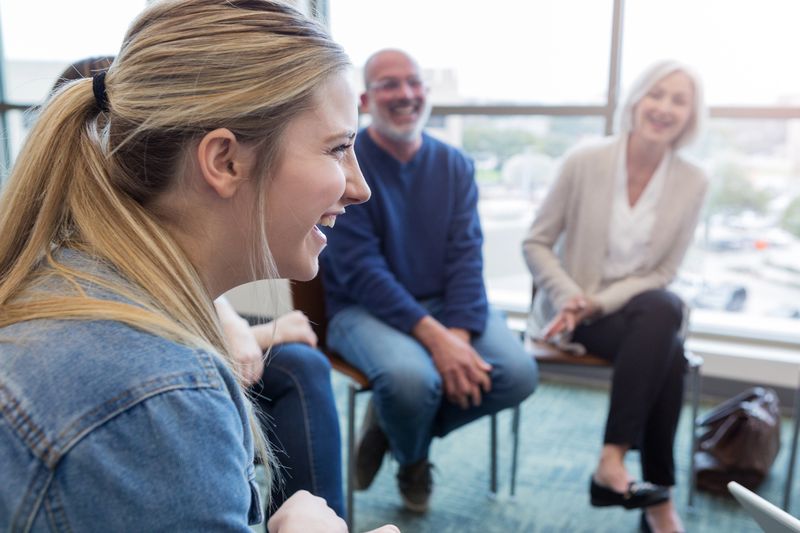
{"type": "Point", "coordinates": [418, 237]}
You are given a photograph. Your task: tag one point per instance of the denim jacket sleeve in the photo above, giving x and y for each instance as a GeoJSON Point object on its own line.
{"type": "Point", "coordinates": [174, 462]}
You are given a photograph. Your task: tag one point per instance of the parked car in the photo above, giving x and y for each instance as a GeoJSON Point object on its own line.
{"type": "Point", "coordinates": [722, 296]}
{"type": "Point", "coordinates": [701, 294]}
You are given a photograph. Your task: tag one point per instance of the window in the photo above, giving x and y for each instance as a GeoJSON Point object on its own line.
{"type": "Point", "coordinates": [746, 254]}
{"type": "Point", "coordinates": [505, 52]}
{"type": "Point", "coordinates": [74, 30]}
{"type": "Point", "coordinates": [40, 39]}
{"type": "Point", "coordinates": [516, 84]}
{"type": "Point", "coordinates": [742, 49]}
{"type": "Point", "coordinates": [515, 157]}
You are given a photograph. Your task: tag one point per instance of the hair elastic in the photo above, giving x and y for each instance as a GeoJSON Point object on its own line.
{"type": "Point", "coordinates": [99, 90]}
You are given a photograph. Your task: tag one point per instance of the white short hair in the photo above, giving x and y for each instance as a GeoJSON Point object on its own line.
{"type": "Point", "coordinates": [646, 80]}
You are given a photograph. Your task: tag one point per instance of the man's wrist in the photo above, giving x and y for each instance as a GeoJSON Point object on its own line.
{"type": "Point", "coordinates": [463, 334]}
{"type": "Point", "coordinates": [428, 331]}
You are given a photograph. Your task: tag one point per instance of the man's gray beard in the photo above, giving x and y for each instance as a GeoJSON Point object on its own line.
{"type": "Point", "coordinates": [404, 136]}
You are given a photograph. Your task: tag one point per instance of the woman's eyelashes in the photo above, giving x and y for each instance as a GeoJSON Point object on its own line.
{"type": "Point", "coordinates": [340, 151]}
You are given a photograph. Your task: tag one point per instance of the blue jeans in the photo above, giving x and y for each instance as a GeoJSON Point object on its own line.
{"type": "Point", "coordinates": [302, 424]}
{"type": "Point", "coordinates": [407, 388]}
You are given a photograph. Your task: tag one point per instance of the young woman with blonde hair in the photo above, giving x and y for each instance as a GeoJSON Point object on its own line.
{"type": "Point", "coordinates": [294, 396]}
{"type": "Point", "coordinates": [223, 130]}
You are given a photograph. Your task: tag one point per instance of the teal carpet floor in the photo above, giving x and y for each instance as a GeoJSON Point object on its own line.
{"type": "Point", "coordinates": [560, 437]}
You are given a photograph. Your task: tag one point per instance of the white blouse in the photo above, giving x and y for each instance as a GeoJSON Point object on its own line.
{"type": "Point", "coordinates": [631, 228]}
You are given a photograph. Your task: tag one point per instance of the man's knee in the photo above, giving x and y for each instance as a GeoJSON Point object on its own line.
{"type": "Point", "coordinates": [515, 378]}
{"type": "Point", "coordinates": [409, 389]}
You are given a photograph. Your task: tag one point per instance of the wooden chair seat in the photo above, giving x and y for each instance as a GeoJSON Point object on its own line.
{"type": "Point", "coordinates": [343, 367]}
{"type": "Point", "coordinates": [547, 353]}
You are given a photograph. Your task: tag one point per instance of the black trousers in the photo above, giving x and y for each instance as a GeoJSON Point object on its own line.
{"type": "Point", "coordinates": [642, 341]}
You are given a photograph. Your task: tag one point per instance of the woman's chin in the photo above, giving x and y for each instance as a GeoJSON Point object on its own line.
{"type": "Point", "coordinates": [304, 273]}
{"type": "Point", "coordinates": [665, 138]}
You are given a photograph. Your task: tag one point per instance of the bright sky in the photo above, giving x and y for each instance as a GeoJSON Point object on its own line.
{"type": "Point", "coordinates": [545, 51]}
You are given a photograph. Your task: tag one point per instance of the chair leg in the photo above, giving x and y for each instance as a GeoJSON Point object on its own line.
{"type": "Point", "coordinates": [695, 384]}
{"type": "Point", "coordinates": [787, 489]}
{"type": "Point", "coordinates": [493, 455]}
{"type": "Point", "coordinates": [351, 453]}
{"type": "Point", "coordinates": [515, 415]}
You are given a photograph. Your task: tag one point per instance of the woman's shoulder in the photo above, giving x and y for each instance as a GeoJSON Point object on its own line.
{"type": "Point", "coordinates": [93, 399]}
{"type": "Point", "coordinates": [591, 159]}
{"type": "Point", "coordinates": [589, 155]}
{"type": "Point", "coordinates": [67, 377]}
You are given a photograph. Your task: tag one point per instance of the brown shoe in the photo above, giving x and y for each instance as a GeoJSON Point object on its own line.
{"type": "Point", "coordinates": [416, 485]}
{"type": "Point", "coordinates": [371, 447]}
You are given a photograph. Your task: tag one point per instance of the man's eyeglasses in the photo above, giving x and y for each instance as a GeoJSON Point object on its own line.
{"type": "Point", "coordinates": [390, 85]}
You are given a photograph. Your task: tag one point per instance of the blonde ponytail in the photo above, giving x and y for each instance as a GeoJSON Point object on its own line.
{"type": "Point", "coordinates": [87, 179]}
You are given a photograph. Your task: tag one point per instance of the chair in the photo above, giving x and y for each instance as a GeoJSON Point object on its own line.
{"type": "Point", "coordinates": [546, 354]}
{"type": "Point", "coordinates": [309, 297]}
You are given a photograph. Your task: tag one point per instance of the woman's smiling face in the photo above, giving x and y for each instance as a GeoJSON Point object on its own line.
{"type": "Point", "coordinates": [316, 178]}
{"type": "Point", "coordinates": [664, 112]}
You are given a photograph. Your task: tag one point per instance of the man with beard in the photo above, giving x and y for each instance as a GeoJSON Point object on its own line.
{"type": "Point", "coordinates": [404, 282]}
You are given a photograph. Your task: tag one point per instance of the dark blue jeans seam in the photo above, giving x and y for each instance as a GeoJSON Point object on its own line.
{"type": "Point", "coordinates": [309, 438]}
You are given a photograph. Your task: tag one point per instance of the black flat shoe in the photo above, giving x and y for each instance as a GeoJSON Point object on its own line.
{"type": "Point", "coordinates": [639, 495]}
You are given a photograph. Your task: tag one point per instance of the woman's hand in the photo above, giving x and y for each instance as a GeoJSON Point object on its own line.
{"type": "Point", "coordinates": [248, 356]}
{"type": "Point", "coordinates": [306, 513]}
{"type": "Point", "coordinates": [291, 327]}
{"type": "Point", "coordinates": [294, 327]}
{"type": "Point", "coordinates": [576, 310]}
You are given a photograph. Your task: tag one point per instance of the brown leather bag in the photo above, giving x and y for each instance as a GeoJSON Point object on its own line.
{"type": "Point", "coordinates": [740, 440]}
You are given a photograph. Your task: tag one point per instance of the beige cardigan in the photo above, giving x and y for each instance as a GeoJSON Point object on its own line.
{"type": "Point", "coordinates": [566, 245]}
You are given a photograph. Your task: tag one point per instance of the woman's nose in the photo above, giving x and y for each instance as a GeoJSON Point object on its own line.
{"type": "Point", "coordinates": [665, 105]}
{"type": "Point", "coordinates": [356, 190]}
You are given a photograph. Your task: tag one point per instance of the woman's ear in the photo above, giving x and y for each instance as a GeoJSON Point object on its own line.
{"type": "Point", "coordinates": [223, 161]}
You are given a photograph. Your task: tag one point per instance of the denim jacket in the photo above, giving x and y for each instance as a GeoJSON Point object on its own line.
{"type": "Point", "coordinates": [104, 427]}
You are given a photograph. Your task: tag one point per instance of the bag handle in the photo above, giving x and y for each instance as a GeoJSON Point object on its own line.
{"type": "Point", "coordinates": [728, 407]}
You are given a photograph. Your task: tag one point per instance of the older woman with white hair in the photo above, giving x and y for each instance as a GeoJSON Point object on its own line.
{"type": "Point", "coordinates": [606, 242]}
